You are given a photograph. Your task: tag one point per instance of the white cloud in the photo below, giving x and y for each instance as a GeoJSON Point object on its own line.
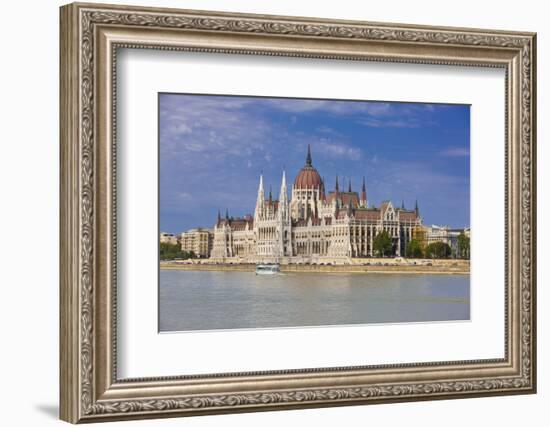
{"type": "Point", "coordinates": [456, 152]}
{"type": "Point", "coordinates": [382, 123]}
{"type": "Point", "coordinates": [337, 149]}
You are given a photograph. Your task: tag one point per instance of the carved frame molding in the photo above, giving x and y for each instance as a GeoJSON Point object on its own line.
{"type": "Point", "coordinates": [90, 36]}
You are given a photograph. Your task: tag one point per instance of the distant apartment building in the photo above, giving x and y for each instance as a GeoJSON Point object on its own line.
{"type": "Point", "coordinates": [446, 235]}
{"type": "Point", "coordinates": [426, 234]}
{"type": "Point", "coordinates": [198, 240]}
{"type": "Point", "coordinates": [168, 238]}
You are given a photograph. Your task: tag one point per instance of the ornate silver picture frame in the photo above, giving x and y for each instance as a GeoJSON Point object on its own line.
{"type": "Point", "coordinates": [91, 35]}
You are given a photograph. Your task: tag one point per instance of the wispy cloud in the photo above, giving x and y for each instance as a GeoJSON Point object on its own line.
{"type": "Point", "coordinates": [338, 149]}
{"type": "Point", "coordinates": [380, 123]}
{"type": "Point", "coordinates": [375, 109]}
{"type": "Point", "coordinates": [456, 152]}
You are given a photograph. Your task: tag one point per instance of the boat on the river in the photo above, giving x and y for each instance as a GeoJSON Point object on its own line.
{"type": "Point", "coordinates": [268, 269]}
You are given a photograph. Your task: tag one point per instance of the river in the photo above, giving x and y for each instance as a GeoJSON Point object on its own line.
{"type": "Point", "coordinates": [207, 300]}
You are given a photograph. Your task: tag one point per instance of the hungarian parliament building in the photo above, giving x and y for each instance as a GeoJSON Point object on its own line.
{"type": "Point", "coordinates": [313, 226]}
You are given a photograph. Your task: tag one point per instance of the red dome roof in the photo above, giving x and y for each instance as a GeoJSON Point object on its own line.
{"type": "Point", "coordinates": [308, 178]}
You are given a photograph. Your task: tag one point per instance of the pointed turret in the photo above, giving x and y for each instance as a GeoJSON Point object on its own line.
{"type": "Point", "coordinates": [402, 204]}
{"type": "Point", "coordinates": [364, 194]}
{"type": "Point", "coordinates": [270, 195]}
{"type": "Point", "coordinates": [349, 186]}
{"type": "Point", "coordinates": [261, 187]}
{"type": "Point", "coordinates": [416, 207]}
{"type": "Point", "coordinates": [336, 192]}
{"type": "Point", "coordinates": [283, 210]}
{"type": "Point", "coordinates": [219, 216]}
{"type": "Point", "coordinates": [283, 198]}
{"type": "Point", "coordinates": [260, 199]}
{"type": "Point", "coordinates": [227, 214]}
{"type": "Point", "coordinates": [308, 157]}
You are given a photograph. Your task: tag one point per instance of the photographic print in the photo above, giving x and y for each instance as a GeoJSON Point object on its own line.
{"type": "Point", "coordinates": [289, 212]}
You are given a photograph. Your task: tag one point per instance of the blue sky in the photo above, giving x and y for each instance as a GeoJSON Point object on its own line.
{"type": "Point", "coordinates": [213, 148]}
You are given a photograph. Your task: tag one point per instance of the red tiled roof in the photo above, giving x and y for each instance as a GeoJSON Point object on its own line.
{"type": "Point", "coordinates": [238, 224]}
{"type": "Point", "coordinates": [367, 214]}
{"type": "Point", "coordinates": [330, 197]}
{"type": "Point", "coordinates": [407, 215]}
{"type": "Point", "coordinates": [345, 198]}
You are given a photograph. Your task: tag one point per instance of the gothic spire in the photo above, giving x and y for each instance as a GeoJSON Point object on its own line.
{"type": "Point", "coordinates": [402, 204]}
{"type": "Point", "coordinates": [308, 158]}
{"type": "Point", "coordinates": [260, 197]}
{"type": "Point", "coordinates": [282, 193]}
{"type": "Point", "coordinates": [416, 207]}
{"type": "Point", "coordinates": [364, 194]}
{"type": "Point", "coordinates": [219, 216]}
{"type": "Point", "coordinates": [226, 213]}
{"type": "Point", "coordinates": [336, 187]}
{"type": "Point", "coordinates": [349, 186]}
{"type": "Point", "coordinates": [261, 186]}
{"type": "Point", "coordinates": [270, 195]}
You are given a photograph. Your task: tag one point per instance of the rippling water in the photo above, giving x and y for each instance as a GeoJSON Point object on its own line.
{"type": "Point", "coordinates": [202, 300]}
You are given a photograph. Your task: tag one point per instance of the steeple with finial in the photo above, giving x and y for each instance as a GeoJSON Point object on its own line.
{"type": "Point", "coordinates": [364, 194]}
{"type": "Point", "coordinates": [260, 199]}
{"type": "Point", "coordinates": [308, 157]}
{"type": "Point", "coordinates": [349, 186]}
{"type": "Point", "coordinates": [283, 210]}
{"type": "Point", "coordinates": [416, 207]}
{"type": "Point", "coordinates": [283, 197]}
{"type": "Point", "coordinates": [336, 192]}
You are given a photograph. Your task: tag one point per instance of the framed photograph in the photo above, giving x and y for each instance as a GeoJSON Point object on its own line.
{"type": "Point", "coordinates": [266, 212]}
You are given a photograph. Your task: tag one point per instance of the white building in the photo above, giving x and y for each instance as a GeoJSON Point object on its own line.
{"type": "Point", "coordinates": [445, 234]}
{"type": "Point", "coordinates": [168, 238]}
{"type": "Point", "coordinates": [312, 226]}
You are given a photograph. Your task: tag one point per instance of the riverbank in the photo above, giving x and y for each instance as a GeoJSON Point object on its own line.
{"type": "Point", "coordinates": [432, 267]}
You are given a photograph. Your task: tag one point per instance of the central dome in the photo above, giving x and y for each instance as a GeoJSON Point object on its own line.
{"type": "Point", "coordinates": [308, 177]}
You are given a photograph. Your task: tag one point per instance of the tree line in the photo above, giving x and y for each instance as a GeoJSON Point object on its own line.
{"type": "Point", "coordinates": [383, 246]}
{"type": "Point", "coordinates": [169, 251]}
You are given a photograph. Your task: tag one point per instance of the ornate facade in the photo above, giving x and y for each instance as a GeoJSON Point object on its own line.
{"type": "Point", "coordinates": [312, 226]}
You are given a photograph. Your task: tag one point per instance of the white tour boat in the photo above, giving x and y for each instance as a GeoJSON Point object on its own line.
{"type": "Point", "coordinates": [267, 269]}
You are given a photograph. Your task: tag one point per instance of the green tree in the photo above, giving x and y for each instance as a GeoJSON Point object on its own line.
{"type": "Point", "coordinates": [382, 244]}
{"type": "Point", "coordinates": [438, 250]}
{"type": "Point", "coordinates": [169, 251]}
{"type": "Point", "coordinates": [414, 249]}
{"type": "Point", "coordinates": [463, 244]}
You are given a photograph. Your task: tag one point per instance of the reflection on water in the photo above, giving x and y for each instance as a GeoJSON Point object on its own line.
{"type": "Point", "coordinates": [201, 300]}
